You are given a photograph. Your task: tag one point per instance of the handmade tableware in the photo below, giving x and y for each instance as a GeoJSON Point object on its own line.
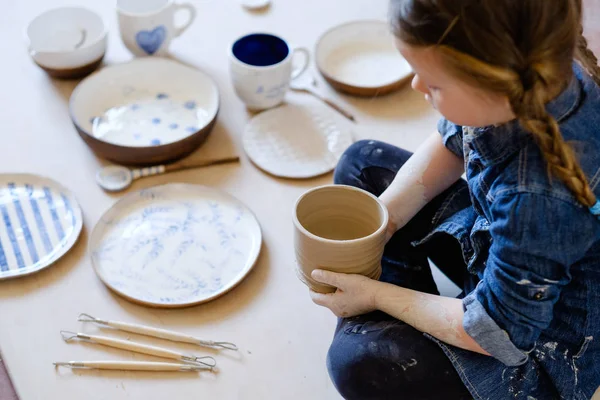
{"type": "Point", "coordinates": [175, 245]}
{"type": "Point", "coordinates": [261, 67]}
{"type": "Point", "coordinates": [40, 221]}
{"type": "Point", "coordinates": [67, 42]}
{"type": "Point", "coordinates": [340, 229]}
{"type": "Point", "coordinates": [148, 26]}
{"type": "Point", "coordinates": [147, 111]}
{"type": "Point", "coordinates": [360, 58]}
{"type": "Point", "coordinates": [115, 178]}
{"type": "Point", "coordinates": [296, 141]}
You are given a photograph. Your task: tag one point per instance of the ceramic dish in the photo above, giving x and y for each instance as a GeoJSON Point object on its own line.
{"type": "Point", "coordinates": [296, 141]}
{"type": "Point", "coordinates": [40, 222]}
{"type": "Point", "coordinates": [175, 245]}
{"type": "Point", "coordinates": [360, 58]}
{"type": "Point", "coordinates": [67, 42]}
{"type": "Point", "coordinates": [147, 111]}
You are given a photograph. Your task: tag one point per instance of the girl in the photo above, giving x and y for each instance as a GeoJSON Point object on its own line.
{"type": "Point", "coordinates": [521, 236]}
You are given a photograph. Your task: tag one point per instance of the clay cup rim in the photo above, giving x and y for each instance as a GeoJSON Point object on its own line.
{"type": "Point", "coordinates": [311, 235]}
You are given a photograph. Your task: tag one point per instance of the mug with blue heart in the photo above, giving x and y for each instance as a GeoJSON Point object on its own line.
{"type": "Point", "coordinates": [262, 68]}
{"type": "Point", "coordinates": [148, 26]}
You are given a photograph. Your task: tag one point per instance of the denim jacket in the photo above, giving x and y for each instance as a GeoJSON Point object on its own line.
{"type": "Point", "coordinates": [535, 252]}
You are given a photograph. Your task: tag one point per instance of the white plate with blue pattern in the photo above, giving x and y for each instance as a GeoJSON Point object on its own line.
{"type": "Point", "coordinates": [40, 221]}
{"type": "Point", "coordinates": [175, 245]}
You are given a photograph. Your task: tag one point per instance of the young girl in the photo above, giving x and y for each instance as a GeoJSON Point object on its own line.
{"type": "Point", "coordinates": [521, 236]}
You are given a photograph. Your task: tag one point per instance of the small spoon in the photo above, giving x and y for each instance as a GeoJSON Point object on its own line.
{"type": "Point", "coordinates": [115, 178]}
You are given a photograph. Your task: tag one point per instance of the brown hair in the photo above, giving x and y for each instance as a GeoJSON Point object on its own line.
{"type": "Point", "coordinates": [523, 49]}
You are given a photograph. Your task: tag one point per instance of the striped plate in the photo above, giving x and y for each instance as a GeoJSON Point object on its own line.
{"type": "Point", "coordinates": [40, 221]}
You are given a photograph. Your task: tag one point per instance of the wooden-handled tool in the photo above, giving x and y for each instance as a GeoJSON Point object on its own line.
{"type": "Point", "coordinates": [157, 333]}
{"type": "Point", "coordinates": [208, 362]}
{"type": "Point", "coordinates": [131, 366]}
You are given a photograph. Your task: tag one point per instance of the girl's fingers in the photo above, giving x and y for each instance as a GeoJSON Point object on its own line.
{"type": "Point", "coordinates": [320, 298]}
{"type": "Point", "coordinates": [327, 277]}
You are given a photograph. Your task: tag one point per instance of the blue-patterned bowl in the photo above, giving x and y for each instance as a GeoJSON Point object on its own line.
{"type": "Point", "coordinates": [147, 111]}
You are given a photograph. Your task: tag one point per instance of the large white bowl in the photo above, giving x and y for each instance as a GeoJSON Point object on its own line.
{"type": "Point", "coordinates": [146, 111]}
{"type": "Point", "coordinates": [67, 41]}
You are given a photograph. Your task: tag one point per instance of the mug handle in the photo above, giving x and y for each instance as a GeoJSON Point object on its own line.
{"type": "Point", "coordinates": [300, 69]}
{"type": "Point", "coordinates": [192, 16]}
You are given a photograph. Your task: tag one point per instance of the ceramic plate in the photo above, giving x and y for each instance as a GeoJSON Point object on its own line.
{"type": "Point", "coordinates": [39, 222]}
{"type": "Point", "coordinates": [296, 141]}
{"type": "Point", "coordinates": [148, 103]}
{"type": "Point", "coordinates": [361, 58]}
{"type": "Point", "coordinates": [175, 245]}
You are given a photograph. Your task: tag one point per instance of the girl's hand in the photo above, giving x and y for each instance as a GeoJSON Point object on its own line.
{"type": "Point", "coordinates": [355, 295]}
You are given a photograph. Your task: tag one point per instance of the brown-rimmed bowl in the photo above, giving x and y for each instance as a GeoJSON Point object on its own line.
{"type": "Point", "coordinates": [361, 59]}
{"type": "Point", "coordinates": [146, 111]}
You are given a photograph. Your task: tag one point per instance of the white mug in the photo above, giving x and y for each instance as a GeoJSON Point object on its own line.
{"type": "Point", "coordinates": [148, 26]}
{"type": "Point", "coordinates": [261, 67]}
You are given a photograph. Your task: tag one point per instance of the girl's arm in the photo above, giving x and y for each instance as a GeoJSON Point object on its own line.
{"type": "Point", "coordinates": [431, 170]}
{"type": "Point", "coordinates": [441, 317]}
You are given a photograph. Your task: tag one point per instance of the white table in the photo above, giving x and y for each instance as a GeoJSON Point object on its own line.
{"type": "Point", "coordinates": [283, 336]}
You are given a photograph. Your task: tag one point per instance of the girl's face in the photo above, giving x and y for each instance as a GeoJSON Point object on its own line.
{"type": "Point", "coordinates": [457, 101]}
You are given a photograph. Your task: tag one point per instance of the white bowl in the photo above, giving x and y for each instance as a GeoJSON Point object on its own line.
{"type": "Point", "coordinates": [361, 58]}
{"type": "Point", "coordinates": [67, 41]}
{"type": "Point", "coordinates": [146, 111]}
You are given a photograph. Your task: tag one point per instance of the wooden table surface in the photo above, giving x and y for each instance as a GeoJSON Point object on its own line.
{"type": "Point", "coordinates": [283, 337]}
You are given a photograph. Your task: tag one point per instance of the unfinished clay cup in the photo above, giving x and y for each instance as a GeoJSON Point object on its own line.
{"type": "Point", "coordinates": [341, 229]}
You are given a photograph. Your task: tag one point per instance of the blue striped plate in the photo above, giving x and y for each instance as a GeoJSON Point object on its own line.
{"type": "Point", "coordinates": [40, 221]}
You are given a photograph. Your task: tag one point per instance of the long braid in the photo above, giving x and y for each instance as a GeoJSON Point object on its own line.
{"type": "Point", "coordinates": [529, 107]}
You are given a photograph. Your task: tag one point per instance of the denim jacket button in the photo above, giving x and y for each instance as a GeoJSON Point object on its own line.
{"type": "Point", "coordinates": [538, 296]}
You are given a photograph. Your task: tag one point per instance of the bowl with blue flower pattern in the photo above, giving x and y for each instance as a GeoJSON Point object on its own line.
{"type": "Point", "coordinates": [146, 111]}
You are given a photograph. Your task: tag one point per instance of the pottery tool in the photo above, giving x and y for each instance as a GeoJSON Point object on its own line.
{"type": "Point", "coordinates": [309, 89]}
{"type": "Point", "coordinates": [254, 5]}
{"type": "Point", "coordinates": [207, 361]}
{"type": "Point", "coordinates": [157, 333]}
{"type": "Point", "coordinates": [115, 178]}
{"type": "Point", "coordinates": [130, 366]}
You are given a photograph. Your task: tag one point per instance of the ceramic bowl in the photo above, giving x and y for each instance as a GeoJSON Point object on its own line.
{"type": "Point", "coordinates": [341, 229]}
{"type": "Point", "coordinates": [360, 58]}
{"type": "Point", "coordinates": [146, 111]}
{"type": "Point", "coordinates": [67, 42]}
